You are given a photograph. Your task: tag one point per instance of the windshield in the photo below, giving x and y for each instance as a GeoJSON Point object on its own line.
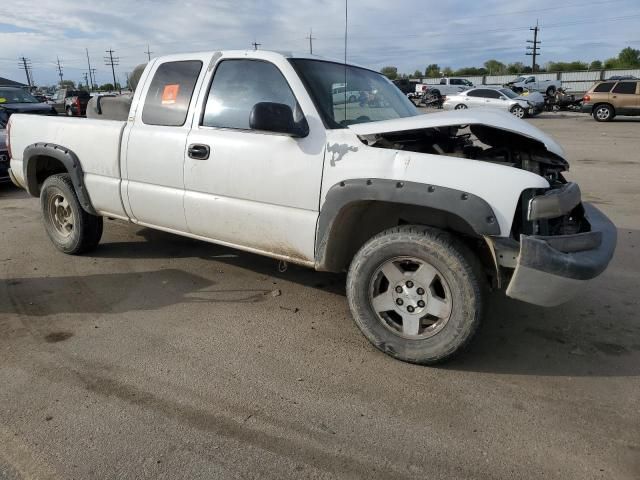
{"type": "Point", "coordinates": [345, 95]}
{"type": "Point", "coordinates": [518, 80]}
{"type": "Point", "coordinates": [16, 95]}
{"type": "Point", "coordinates": [508, 93]}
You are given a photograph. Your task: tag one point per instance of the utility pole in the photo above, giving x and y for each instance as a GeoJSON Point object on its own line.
{"type": "Point", "coordinates": [59, 70]}
{"type": "Point", "coordinates": [113, 61]}
{"type": "Point", "coordinates": [90, 70]}
{"type": "Point", "coordinates": [148, 52]}
{"type": "Point", "coordinates": [26, 65]}
{"type": "Point", "coordinates": [311, 38]}
{"type": "Point", "coordinates": [86, 80]}
{"type": "Point", "coordinates": [255, 45]}
{"type": "Point", "coordinates": [534, 49]}
{"type": "Point", "coordinates": [94, 83]}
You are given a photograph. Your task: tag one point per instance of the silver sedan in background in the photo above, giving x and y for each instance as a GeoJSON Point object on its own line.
{"type": "Point", "coordinates": [492, 97]}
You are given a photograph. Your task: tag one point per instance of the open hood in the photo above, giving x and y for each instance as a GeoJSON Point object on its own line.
{"type": "Point", "coordinates": [477, 116]}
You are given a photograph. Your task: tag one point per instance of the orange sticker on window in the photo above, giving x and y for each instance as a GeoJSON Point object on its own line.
{"type": "Point", "coordinates": [170, 94]}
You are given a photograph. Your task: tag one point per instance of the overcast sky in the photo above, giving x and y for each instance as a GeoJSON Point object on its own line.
{"type": "Point", "coordinates": [406, 33]}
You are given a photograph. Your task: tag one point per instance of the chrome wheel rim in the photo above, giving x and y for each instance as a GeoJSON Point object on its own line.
{"type": "Point", "coordinates": [61, 215]}
{"type": "Point", "coordinates": [602, 113]}
{"type": "Point", "coordinates": [518, 112]}
{"type": "Point", "coordinates": [460, 107]}
{"type": "Point", "coordinates": [410, 297]}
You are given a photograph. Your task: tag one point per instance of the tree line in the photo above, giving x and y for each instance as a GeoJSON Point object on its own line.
{"type": "Point", "coordinates": [627, 58]}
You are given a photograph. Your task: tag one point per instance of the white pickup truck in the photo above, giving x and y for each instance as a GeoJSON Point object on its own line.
{"type": "Point", "coordinates": [250, 149]}
{"type": "Point", "coordinates": [531, 83]}
{"type": "Point", "coordinates": [446, 86]}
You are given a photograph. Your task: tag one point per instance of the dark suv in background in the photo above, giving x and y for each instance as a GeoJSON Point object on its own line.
{"type": "Point", "coordinates": [72, 103]}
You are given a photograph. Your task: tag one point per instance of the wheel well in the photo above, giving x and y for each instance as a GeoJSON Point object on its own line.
{"type": "Point", "coordinates": [604, 103]}
{"type": "Point", "coordinates": [42, 167]}
{"type": "Point", "coordinates": [357, 222]}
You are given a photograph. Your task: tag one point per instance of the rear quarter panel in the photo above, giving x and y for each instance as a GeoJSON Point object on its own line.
{"type": "Point", "coordinates": [95, 142]}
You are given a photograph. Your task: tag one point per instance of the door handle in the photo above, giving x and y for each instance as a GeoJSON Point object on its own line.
{"type": "Point", "coordinates": [198, 151]}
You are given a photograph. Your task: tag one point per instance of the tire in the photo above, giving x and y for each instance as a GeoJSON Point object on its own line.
{"type": "Point", "coordinates": [460, 106]}
{"type": "Point", "coordinates": [353, 99]}
{"type": "Point", "coordinates": [551, 91]}
{"type": "Point", "coordinates": [450, 286]}
{"type": "Point", "coordinates": [518, 111]}
{"type": "Point", "coordinates": [69, 112]}
{"type": "Point", "coordinates": [71, 229]}
{"type": "Point", "coordinates": [603, 113]}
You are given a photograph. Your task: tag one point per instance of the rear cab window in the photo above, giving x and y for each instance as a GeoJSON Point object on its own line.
{"type": "Point", "coordinates": [170, 92]}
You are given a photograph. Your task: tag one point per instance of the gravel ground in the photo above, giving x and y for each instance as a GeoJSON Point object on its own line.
{"type": "Point", "coordinates": [163, 357]}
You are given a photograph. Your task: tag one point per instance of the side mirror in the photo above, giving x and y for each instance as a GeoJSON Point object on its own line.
{"type": "Point", "coordinates": [277, 118]}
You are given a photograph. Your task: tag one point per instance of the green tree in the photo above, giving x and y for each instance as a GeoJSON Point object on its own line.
{"type": "Point", "coordinates": [494, 67]}
{"type": "Point", "coordinates": [67, 84]}
{"type": "Point", "coordinates": [106, 87]}
{"type": "Point", "coordinates": [390, 72]}
{"type": "Point", "coordinates": [611, 63]}
{"type": "Point", "coordinates": [447, 72]}
{"type": "Point", "coordinates": [432, 71]}
{"type": "Point", "coordinates": [417, 74]}
{"type": "Point", "coordinates": [629, 58]}
{"type": "Point", "coordinates": [515, 68]}
{"type": "Point", "coordinates": [595, 65]}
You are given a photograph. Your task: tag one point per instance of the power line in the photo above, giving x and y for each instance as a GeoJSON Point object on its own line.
{"type": "Point", "coordinates": [534, 49]}
{"type": "Point", "coordinates": [113, 61]}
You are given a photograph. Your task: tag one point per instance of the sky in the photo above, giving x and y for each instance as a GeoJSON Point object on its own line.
{"type": "Point", "coordinates": [408, 34]}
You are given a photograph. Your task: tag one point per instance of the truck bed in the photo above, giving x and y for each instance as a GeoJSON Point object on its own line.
{"type": "Point", "coordinates": [95, 142]}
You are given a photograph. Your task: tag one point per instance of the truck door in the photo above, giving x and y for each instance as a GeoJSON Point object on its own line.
{"type": "Point", "coordinates": [153, 172]}
{"type": "Point", "coordinates": [254, 189]}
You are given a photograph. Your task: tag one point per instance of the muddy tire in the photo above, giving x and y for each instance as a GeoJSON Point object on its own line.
{"type": "Point", "coordinates": [71, 229]}
{"type": "Point", "coordinates": [416, 293]}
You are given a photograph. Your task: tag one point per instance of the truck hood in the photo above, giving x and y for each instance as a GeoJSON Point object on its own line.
{"type": "Point", "coordinates": [477, 116]}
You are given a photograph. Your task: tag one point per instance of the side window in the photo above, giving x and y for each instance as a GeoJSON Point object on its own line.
{"type": "Point", "coordinates": [530, 80]}
{"type": "Point", "coordinates": [492, 94]}
{"type": "Point", "coordinates": [238, 85]}
{"type": "Point", "coordinates": [443, 81]}
{"type": "Point", "coordinates": [625, 88]}
{"type": "Point", "coordinates": [170, 92]}
{"type": "Point", "coordinates": [475, 93]}
{"type": "Point", "coordinates": [603, 87]}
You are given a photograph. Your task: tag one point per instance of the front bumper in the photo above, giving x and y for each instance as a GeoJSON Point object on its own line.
{"type": "Point", "coordinates": [551, 270]}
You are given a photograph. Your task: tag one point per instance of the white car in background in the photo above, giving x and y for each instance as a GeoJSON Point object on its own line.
{"type": "Point", "coordinates": [491, 97]}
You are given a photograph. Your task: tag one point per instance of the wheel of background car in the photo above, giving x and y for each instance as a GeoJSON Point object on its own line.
{"type": "Point", "coordinates": [603, 113]}
{"type": "Point", "coordinates": [518, 111]}
{"type": "Point", "coordinates": [416, 293]}
{"type": "Point", "coordinates": [460, 106]}
{"type": "Point", "coordinates": [69, 112]}
{"type": "Point", "coordinates": [353, 99]}
{"type": "Point", "coordinates": [551, 91]}
{"type": "Point", "coordinates": [71, 229]}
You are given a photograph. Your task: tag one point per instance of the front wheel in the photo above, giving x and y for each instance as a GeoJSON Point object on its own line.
{"type": "Point", "coordinates": [71, 229]}
{"type": "Point", "coordinates": [518, 111]}
{"type": "Point", "coordinates": [416, 293]}
{"type": "Point", "coordinates": [461, 106]}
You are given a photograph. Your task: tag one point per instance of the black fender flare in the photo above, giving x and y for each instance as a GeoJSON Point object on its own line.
{"type": "Point", "coordinates": [475, 211]}
{"type": "Point", "coordinates": [67, 158]}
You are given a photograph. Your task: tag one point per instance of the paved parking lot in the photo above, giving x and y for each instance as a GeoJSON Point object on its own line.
{"type": "Point", "coordinates": [163, 357]}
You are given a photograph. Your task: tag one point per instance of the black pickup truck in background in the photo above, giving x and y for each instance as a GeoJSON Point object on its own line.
{"type": "Point", "coordinates": [72, 103]}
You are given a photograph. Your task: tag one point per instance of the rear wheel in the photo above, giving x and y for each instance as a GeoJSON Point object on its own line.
{"type": "Point", "coordinates": [518, 111]}
{"type": "Point", "coordinates": [603, 113]}
{"type": "Point", "coordinates": [71, 229]}
{"type": "Point", "coordinates": [551, 91]}
{"type": "Point", "coordinates": [461, 106]}
{"type": "Point", "coordinates": [416, 293]}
